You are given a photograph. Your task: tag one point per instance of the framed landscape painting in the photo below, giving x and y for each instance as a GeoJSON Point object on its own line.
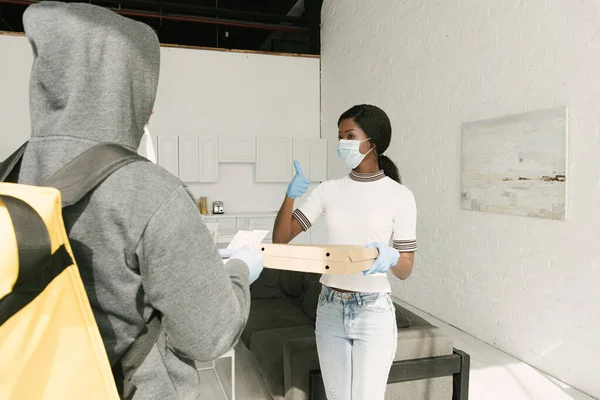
{"type": "Point", "coordinates": [516, 164]}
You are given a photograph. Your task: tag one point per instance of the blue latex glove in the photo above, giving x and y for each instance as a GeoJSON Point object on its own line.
{"type": "Point", "coordinates": [299, 184]}
{"type": "Point", "coordinates": [388, 257]}
{"type": "Point", "coordinates": [252, 258]}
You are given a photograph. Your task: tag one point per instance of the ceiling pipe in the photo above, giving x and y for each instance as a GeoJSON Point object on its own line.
{"type": "Point", "coordinates": [296, 10]}
{"type": "Point", "coordinates": [182, 18]}
{"type": "Point", "coordinates": [203, 11]}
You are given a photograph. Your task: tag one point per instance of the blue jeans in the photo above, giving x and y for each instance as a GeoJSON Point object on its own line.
{"type": "Point", "coordinates": [356, 340]}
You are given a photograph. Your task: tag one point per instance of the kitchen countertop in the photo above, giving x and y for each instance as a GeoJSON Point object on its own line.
{"type": "Point", "coordinates": [258, 214]}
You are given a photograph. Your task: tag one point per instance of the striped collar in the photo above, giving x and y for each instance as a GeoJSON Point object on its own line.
{"type": "Point", "coordinates": [370, 177]}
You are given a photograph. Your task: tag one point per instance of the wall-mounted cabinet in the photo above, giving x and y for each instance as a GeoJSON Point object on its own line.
{"type": "Point", "coordinates": [198, 159]}
{"type": "Point", "coordinates": [302, 149]}
{"type": "Point", "coordinates": [312, 155]}
{"type": "Point", "coordinates": [237, 150]}
{"type": "Point", "coordinates": [189, 159]}
{"type": "Point", "coordinates": [274, 159]}
{"type": "Point", "coordinates": [318, 160]}
{"type": "Point", "coordinates": [208, 150]}
{"type": "Point", "coordinates": [168, 153]}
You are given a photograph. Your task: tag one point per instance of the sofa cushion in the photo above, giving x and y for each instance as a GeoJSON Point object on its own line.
{"type": "Point", "coordinates": [311, 298]}
{"type": "Point", "coordinates": [267, 285]}
{"type": "Point", "coordinates": [273, 314]}
{"type": "Point", "coordinates": [293, 283]}
{"type": "Point", "coordinates": [406, 318]}
{"type": "Point", "coordinates": [402, 320]}
{"type": "Point", "coordinates": [423, 342]}
{"type": "Point", "coordinates": [267, 348]}
{"type": "Point", "coordinates": [274, 283]}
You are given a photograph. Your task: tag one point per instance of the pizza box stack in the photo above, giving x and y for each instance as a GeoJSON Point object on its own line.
{"type": "Point", "coordinates": [319, 259]}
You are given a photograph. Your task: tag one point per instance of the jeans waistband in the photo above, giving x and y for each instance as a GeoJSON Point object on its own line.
{"type": "Point", "coordinates": [358, 298]}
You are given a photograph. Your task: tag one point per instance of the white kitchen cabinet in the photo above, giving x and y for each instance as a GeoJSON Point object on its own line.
{"type": "Point", "coordinates": [226, 225]}
{"type": "Point", "coordinates": [262, 224]}
{"type": "Point", "coordinates": [274, 159]}
{"type": "Point", "coordinates": [237, 150]}
{"type": "Point", "coordinates": [243, 224]}
{"type": "Point", "coordinates": [208, 162]}
{"type": "Point", "coordinates": [189, 169]}
{"type": "Point", "coordinates": [302, 151]}
{"type": "Point", "coordinates": [168, 154]}
{"type": "Point", "coordinates": [312, 155]}
{"type": "Point", "coordinates": [318, 160]}
{"type": "Point", "coordinates": [257, 224]}
{"type": "Point", "coordinates": [198, 159]}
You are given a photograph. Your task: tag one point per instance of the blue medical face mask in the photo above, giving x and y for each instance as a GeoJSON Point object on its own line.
{"type": "Point", "coordinates": [349, 152]}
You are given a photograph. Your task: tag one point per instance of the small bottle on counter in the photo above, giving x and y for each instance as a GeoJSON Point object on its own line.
{"type": "Point", "coordinates": [203, 207]}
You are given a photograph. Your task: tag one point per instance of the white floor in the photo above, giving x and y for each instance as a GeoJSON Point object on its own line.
{"type": "Point", "coordinates": [494, 374]}
{"type": "Point", "coordinates": [497, 376]}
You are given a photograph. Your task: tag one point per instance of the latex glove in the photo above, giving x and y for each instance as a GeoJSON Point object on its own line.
{"type": "Point", "coordinates": [388, 257]}
{"type": "Point", "coordinates": [252, 258]}
{"type": "Point", "coordinates": [225, 253]}
{"type": "Point", "coordinates": [299, 184]}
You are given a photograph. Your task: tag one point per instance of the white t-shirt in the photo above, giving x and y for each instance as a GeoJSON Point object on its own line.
{"type": "Point", "coordinates": [361, 209]}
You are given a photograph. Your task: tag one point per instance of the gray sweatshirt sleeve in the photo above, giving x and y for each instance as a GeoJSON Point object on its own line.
{"type": "Point", "coordinates": [204, 303]}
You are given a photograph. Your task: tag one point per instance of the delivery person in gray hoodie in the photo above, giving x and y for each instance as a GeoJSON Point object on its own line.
{"type": "Point", "coordinates": [138, 238]}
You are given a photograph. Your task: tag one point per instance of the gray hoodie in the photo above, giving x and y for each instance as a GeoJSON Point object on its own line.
{"type": "Point", "coordinates": [139, 240]}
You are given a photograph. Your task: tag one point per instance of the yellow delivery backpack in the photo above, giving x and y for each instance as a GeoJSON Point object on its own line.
{"type": "Point", "coordinates": [50, 346]}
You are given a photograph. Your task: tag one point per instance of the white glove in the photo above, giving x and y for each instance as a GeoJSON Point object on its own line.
{"type": "Point", "coordinates": [252, 258]}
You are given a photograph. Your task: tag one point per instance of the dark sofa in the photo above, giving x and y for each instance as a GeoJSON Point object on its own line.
{"type": "Point", "coordinates": [280, 335]}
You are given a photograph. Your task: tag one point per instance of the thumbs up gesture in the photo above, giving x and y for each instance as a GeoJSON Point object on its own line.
{"type": "Point", "coordinates": [299, 184]}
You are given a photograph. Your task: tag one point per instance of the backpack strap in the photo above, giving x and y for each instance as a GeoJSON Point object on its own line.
{"type": "Point", "coordinates": [11, 166]}
{"type": "Point", "coordinates": [77, 179]}
{"type": "Point", "coordinates": [34, 251]}
{"type": "Point", "coordinates": [89, 169]}
{"type": "Point", "coordinates": [136, 354]}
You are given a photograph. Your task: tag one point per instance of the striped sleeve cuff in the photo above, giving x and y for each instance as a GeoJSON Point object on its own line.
{"type": "Point", "coordinates": [304, 222]}
{"type": "Point", "coordinates": [405, 246]}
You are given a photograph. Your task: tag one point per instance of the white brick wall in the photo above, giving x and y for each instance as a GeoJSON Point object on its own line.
{"type": "Point", "coordinates": [527, 286]}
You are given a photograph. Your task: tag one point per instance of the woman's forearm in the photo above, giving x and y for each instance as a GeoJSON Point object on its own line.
{"type": "Point", "coordinates": [403, 268]}
{"type": "Point", "coordinates": [282, 231]}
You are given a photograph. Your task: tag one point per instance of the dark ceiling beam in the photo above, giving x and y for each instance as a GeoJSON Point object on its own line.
{"type": "Point", "coordinates": [313, 11]}
{"type": "Point", "coordinates": [186, 18]}
{"type": "Point", "coordinates": [4, 22]}
{"type": "Point", "coordinates": [296, 9]}
{"type": "Point", "coordinates": [203, 11]}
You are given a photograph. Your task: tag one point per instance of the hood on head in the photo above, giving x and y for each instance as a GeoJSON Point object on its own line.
{"type": "Point", "coordinates": [95, 73]}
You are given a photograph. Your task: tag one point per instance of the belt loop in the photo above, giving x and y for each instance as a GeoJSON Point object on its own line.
{"type": "Point", "coordinates": [330, 295]}
{"type": "Point", "coordinates": [359, 299]}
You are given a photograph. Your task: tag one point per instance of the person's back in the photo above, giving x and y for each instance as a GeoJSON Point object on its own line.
{"type": "Point", "coordinates": [139, 240]}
